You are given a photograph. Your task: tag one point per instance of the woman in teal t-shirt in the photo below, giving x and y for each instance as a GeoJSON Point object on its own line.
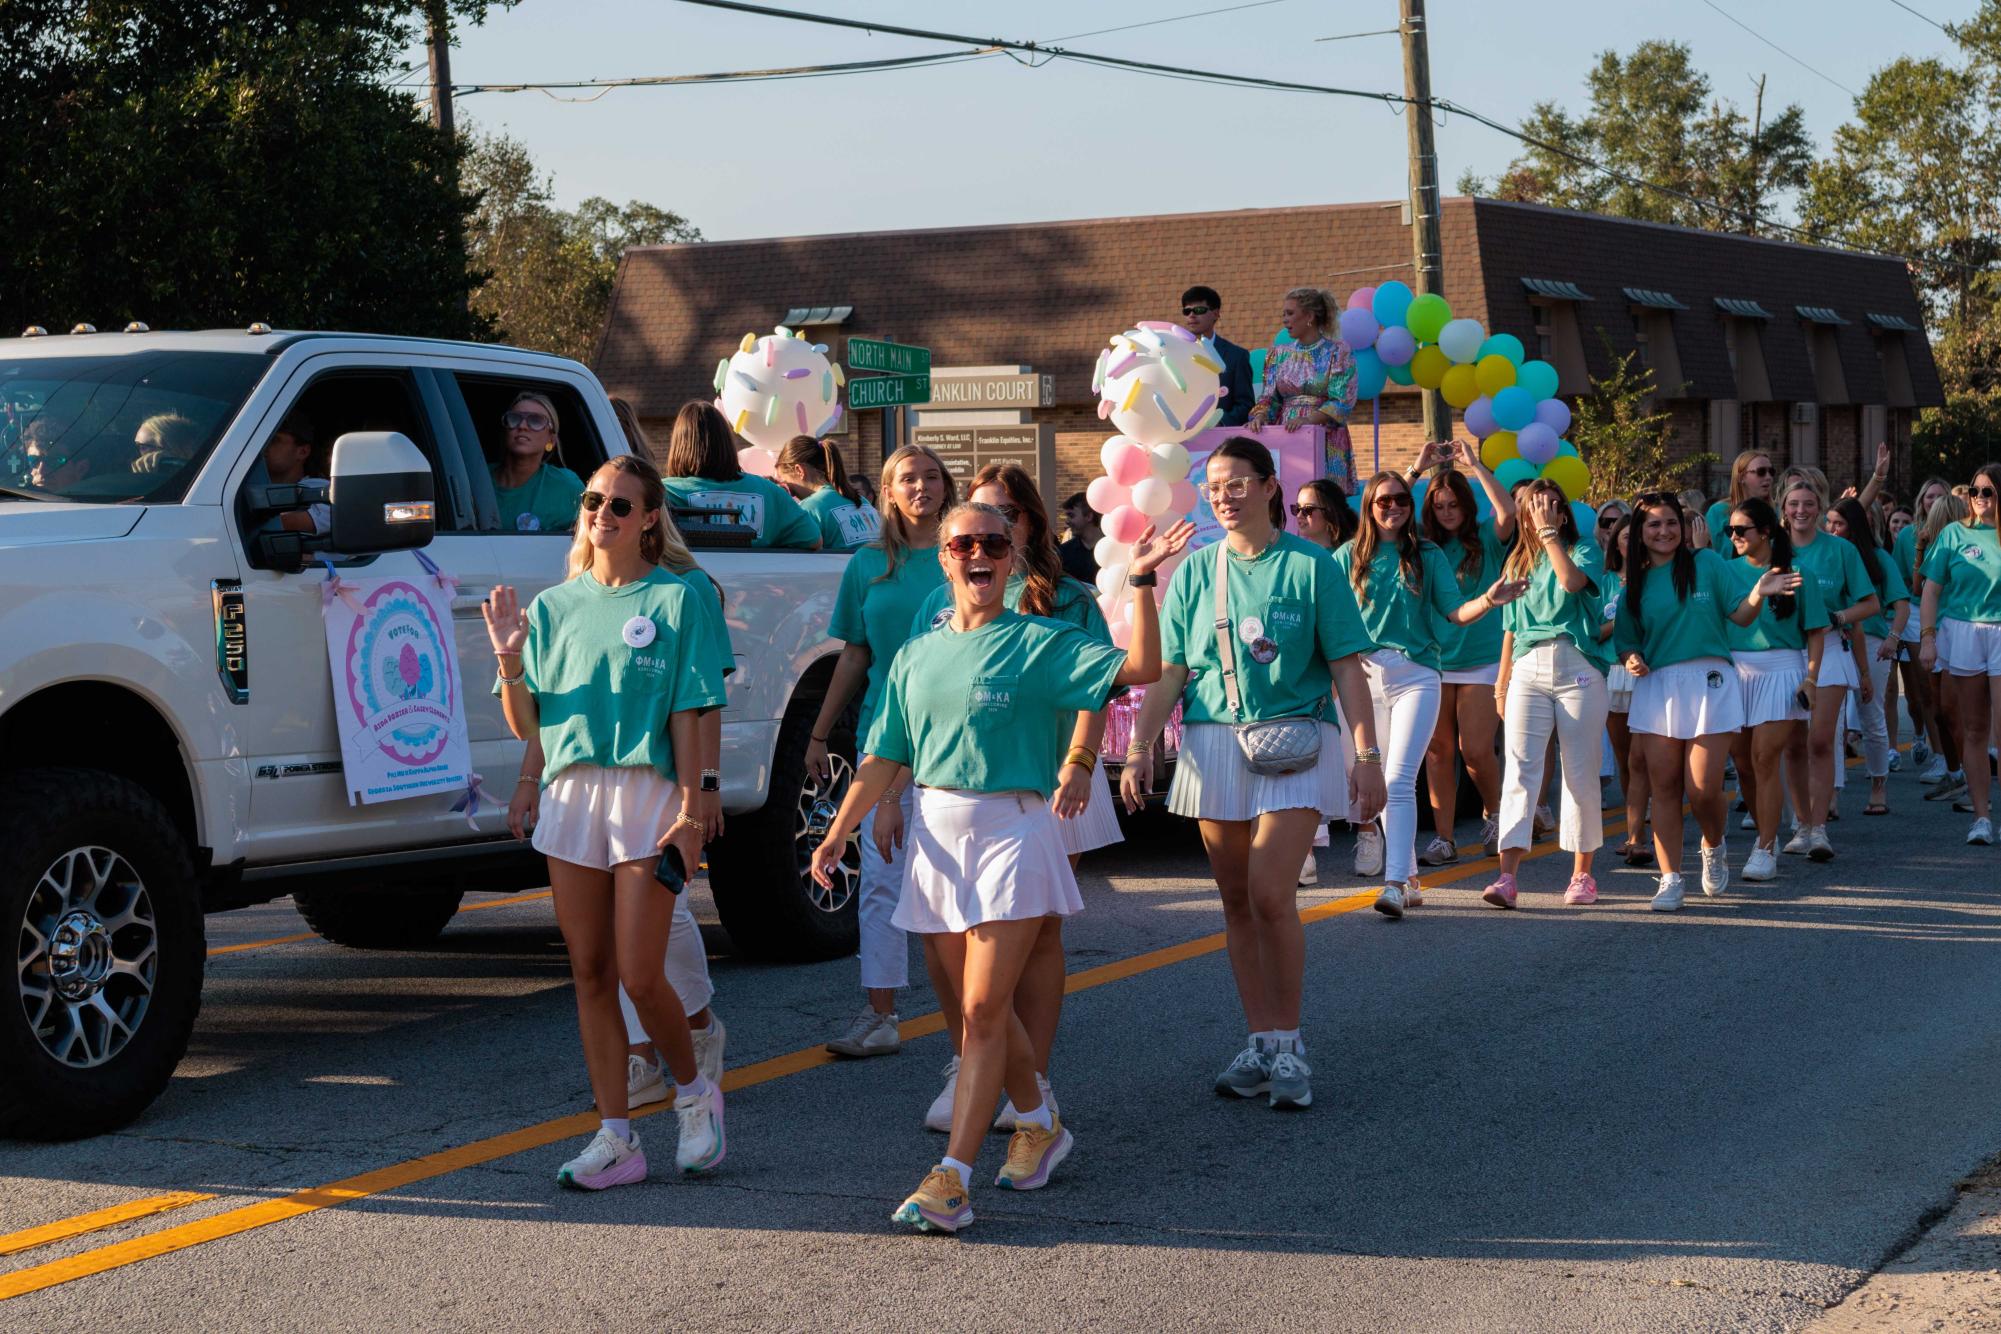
{"type": "Point", "coordinates": [1294, 640]}
{"type": "Point", "coordinates": [603, 671]}
{"type": "Point", "coordinates": [813, 472]}
{"type": "Point", "coordinates": [1470, 656]}
{"type": "Point", "coordinates": [1673, 635]}
{"type": "Point", "coordinates": [702, 472]}
{"type": "Point", "coordinates": [976, 711]}
{"type": "Point", "coordinates": [1962, 630]}
{"type": "Point", "coordinates": [1752, 477]}
{"type": "Point", "coordinates": [1920, 699]}
{"type": "Point", "coordinates": [534, 493]}
{"type": "Point", "coordinates": [1881, 636]}
{"type": "Point", "coordinates": [881, 589]}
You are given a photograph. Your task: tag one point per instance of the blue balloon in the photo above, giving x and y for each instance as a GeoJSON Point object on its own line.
{"type": "Point", "coordinates": [1369, 374]}
{"type": "Point", "coordinates": [1393, 298]}
{"type": "Point", "coordinates": [1587, 521]}
{"type": "Point", "coordinates": [1355, 502]}
{"type": "Point", "coordinates": [1400, 374]}
{"type": "Point", "coordinates": [1538, 377]}
{"type": "Point", "coordinates": [1565, 447]}
{"type": "Point", "coordinates": [1282, 337]}
{"type": "Point", "coordinates": [1507, 345]}
{"type": "Point", "coordinates": [1514, 471]}
{"type": "Point", "coordinates": [1514, 408]}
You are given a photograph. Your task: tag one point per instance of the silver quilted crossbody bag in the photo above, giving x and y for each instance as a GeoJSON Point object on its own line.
{"type": "Point", "coordinates": [1273, 746]}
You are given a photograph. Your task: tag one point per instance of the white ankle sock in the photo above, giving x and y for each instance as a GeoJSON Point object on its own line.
{"type": "Point", "coordinates": [1039, 1117]}
{"type": "Point", "coordinates": [700, 1086]}
{"type": "Point", "coordinates": [620, 1126]}
{"type": "Point", "coordinates": [1287, 1039]}
{"type": "Point", "coordinates": [965, 1170]}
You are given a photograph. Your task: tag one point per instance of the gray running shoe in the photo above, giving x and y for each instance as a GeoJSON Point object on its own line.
{"type": "Point", "coordinates": [1289, 1080]}
{"type": "Point", "coordinates": [1248, 1075]}
{"type": "Point", "coordinates": [1947, 787]}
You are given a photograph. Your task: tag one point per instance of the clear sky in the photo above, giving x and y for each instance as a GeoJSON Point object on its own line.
{"type": "Point", "coordinates": [992, 141]}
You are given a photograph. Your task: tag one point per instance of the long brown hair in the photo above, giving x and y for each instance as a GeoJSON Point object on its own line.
{"type": "Point", "coordinates": [1472, 554]}
{"type": "Point", "coordinates": [702, 444]}
{"type": "Point", "coordinates": [894, 539]}
{"type": "Point", "coordinates": [1738, 467]}
{"type": "Point", "coordinates": [1527, 552]}
{"type": "Point", "coordinates": [1042, 568]}
{"type": "Point", "coordinates": [1368, 538]}
{"type": "Point", "coordinates": [652, 499]}
{"type": "Point", "coordinates": [822, 456]}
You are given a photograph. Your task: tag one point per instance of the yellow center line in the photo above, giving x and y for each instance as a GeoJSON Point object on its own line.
{"type": "Point", "coordinates": [14, 1242]}
{"type": "Point", "coordinates": [236, 1221]}
{"type": "Point", "coordinates": [507, 902]}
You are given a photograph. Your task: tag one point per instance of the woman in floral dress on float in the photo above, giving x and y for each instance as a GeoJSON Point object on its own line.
{"type": "Point", "coordinates": [1310, 381]}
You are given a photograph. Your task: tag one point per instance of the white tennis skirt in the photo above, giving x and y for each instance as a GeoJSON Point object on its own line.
{"type": "Point", "coordinates": [1969, 648]}
{"type": "Point", "coordinates": [598, 817]}
{"type": "Point", "coordinates": [973, 857]}
{"type": "Point", "coordinates": [1770, 677]}
{"type": "Point", "coordinates": [1097, 825]}
{"type": "Point", "coordinates": [1472, 676]}
{"type": "Point", "coordinates": [1837, 663]}
{"type": "Point", "coordinates": [1699, 697]}
{"type": "Point", "coordinates": [1618, 688]}
{"type": "Point", "coordinates": [1212, 781]}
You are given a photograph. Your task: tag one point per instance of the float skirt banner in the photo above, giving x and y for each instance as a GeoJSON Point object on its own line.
{"type": "Point", "coordinates": [396, 690]}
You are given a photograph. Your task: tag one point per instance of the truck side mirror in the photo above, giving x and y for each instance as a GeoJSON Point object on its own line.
{"type": "Point", "coordinates": [382, 494]}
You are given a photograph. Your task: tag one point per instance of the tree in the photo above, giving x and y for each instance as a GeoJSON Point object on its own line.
{"type": "Point", "coordinates": [1622, 439]}
{"type": "Point", "coordinates": [214, 162]}
{"type": "Point", "coordinates": [546, 273]}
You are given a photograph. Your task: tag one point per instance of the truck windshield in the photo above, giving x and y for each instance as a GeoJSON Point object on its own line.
{"type": "Point", "coordinates": [115, 429]}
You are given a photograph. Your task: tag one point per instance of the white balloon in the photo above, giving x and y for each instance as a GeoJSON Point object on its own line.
{"type": "Point", "coordinates": [1111, 579]}
{"type": "Point", "coordinates": [1170, 461]}
{"type": "Point", "coordinates": [777, 387]}
{"type": "Point", "coordinates": [1111, 551]}
{"type": "Point", "coordinates": [757, 460]}
{"type": "Point", "coordinates": [1152, 497]}
{"type": "Point", "coordinates": [1162, 384]}
{"type": "Point", "coordinates": [1460, 340]}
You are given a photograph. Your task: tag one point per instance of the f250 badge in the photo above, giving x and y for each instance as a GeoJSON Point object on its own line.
{"type": "Point", "coordinates": [232, 640]}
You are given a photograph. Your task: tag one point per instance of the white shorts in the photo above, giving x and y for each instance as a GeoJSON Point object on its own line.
{"type": "Point", "coordinates": [1699, 697]}
{"type": "Point", "coordinates": [1212, 781]}
{"type": "Point", "coordinates": [1473, 676]}
{"type": "Point", "coordinates": [973, 857]}
{"type": "Point", "coordinates": [1097, 825]}
{"type": "Point", "coordinates": [1618, 689]}
{"type": "Point", "coordinates": [1837, 663]}
{"type": "Point", "coordinates": [599, 817]}
{"type": "Point", "coordinates": [1770, 678]}
{"type": "Point", "coordinates": [1969, 648]}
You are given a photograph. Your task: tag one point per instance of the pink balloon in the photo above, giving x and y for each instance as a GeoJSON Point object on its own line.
{"type": "Point", "coordinates": [1112, 448]}
{"type": "Point", "coordinates": [1106, 495]}
{"type": "Point", "coordinates": [1362, 298]}
{"type": "Point", "coordinates": [1130, 466]}
{"type": "Point", "coordinates": [1184, 499]}
{"type": "Point", "coordinates": [1125, 524]}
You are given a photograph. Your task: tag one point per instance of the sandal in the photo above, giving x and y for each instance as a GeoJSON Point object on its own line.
{"type": "Point", "coordinates": [1637, 854]}
{"type": "Point", "coordinates": [1875, 808]}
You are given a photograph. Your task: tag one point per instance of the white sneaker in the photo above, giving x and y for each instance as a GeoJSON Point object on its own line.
{"type": "Point", "coordinates": [709, 1049]}
{"type": "Point", "coordinates": [1934, 770]}
{"type": "Point", "coordinates": [1715, 871]}
{"type": "Point", "coordinates": [702, 1142]}
{"type": "Point", "coordinates": [645, 1084]}
{"type": "Point", "coordinates": [1982, 832]}
{"type": "Point", "coordinates": [608, 1160]}
{"type": "Point", "coordinates": [939, 1116]}
{"type": "Point", "coordinates": [1749, 821]}
{"type": "Point", "coordinates": [1390, 902]}
{"type": "Point", "coordinates": [1369, 851]}
{"type": "Point", "coordinates": [1762, 864]}
{"type": "Point", "coordinates": [1797, 845]}
{"type": "Point", "coordinates": [1413, 893]}
{"type": "Point", "coordinates": [1004, 1121]}
{"type": "Point", "coordinates": [1438, 852]}
{"type": "Point", "coordinates": [869, 1034]}
{"type": "Point", "coordinates": [1668, 897]}
{"type": "Point", "coordinates": [1896, 760]}
{"type": "Point", "coordinates": [1490, 837]}
{"type": "Point", "coordinates": [1545, 822]}
{"type": "Point", "coordinates": [1817, 846]}
{"type": "Point", "coordinates": [1309, 872]}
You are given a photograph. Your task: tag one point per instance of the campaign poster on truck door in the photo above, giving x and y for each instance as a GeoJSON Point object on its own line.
{"type": "Point", "coordinates": [396, 689]}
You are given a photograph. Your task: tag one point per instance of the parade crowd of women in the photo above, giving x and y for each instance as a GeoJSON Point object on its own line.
{"type": "Point", "coordinates": [1319, 674]}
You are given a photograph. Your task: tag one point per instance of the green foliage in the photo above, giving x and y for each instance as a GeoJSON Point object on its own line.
{"type": "Point", "coordinates": [547, 272]}
{"type": "Point", "coordinates": [1625, 442]}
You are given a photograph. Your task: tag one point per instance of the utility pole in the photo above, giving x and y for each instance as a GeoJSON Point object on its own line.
{"type": "Point", "coordinates": [1428, 268]}
{"type": "Point", "coordinates": [438, 24]}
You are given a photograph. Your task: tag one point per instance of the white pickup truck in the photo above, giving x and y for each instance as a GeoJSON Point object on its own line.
{"type": "Point", "coordinates": [168, 742]}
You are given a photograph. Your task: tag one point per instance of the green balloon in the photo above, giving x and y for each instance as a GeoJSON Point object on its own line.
{"type": "Point", "coordinates": [1399, 374]}
{"type": "Point", "coordinates": [1515, 470]}
{"type": "Point", "coordinates": [1427, 316]}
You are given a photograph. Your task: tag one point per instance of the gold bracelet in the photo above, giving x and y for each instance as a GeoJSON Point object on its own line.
{"type": "Point", "coordinates": [1090, 760]}
{"type": "Point", "coordinates": [683, 818]}
{"type": "Point", "coordinates": [527, 778]}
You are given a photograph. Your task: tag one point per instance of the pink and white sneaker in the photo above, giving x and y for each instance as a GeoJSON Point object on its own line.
{"type": "Point", "coordinates": [1501, 893]}
{"type": "Point", "coordinates": [607, 1161]}
{"type": "Point", "coordinates": [1583, 890]}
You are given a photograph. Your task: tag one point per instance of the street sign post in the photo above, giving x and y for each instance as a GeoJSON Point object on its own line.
{"type": "Point", "coordinates": [874, 354]}
{"type": "Point", "coordinates": [888, 391]}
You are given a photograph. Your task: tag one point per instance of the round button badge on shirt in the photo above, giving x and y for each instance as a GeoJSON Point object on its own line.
{"type": "Point", "coordinates": [1250, 629]}
{"type": "Point", "coordinates": [638, 632]}
{"type": "Point", "coordinates": [527, 523]}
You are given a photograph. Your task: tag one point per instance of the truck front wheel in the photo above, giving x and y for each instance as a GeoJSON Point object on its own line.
{"type": "Point", "coordinates": [99, 990]}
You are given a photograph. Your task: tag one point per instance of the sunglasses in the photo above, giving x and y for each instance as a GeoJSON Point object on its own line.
{"type": "Point", "coordinates": [1736, 530]}
{"type": "Point", "coordinates": [1980, 492]}
{"type": "Point", "coordinates": [1607, 523]}
{"type": "Point", "coordinates": [1195, 310]}
{"type": "Point", "coordinates": [532, 421]}
{"type": "Point", "coordinates": [1301, 511]}
{"type": "Point", "coordinates": [1012, 513]}
{"type": "Point", "coordinates": [1236, 488]}
{"type": "Point", "coordinates": [994, 546]}
{"type": "Point", "coordinates": [620, 507]}
{"type": "Point", "coordinates": [1393, 501]}
{"type": "Point", "coordinates": [1765, 471]}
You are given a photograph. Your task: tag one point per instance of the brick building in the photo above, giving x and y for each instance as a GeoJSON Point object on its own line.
{"type": "Point", "coordinates": [1810, 354]}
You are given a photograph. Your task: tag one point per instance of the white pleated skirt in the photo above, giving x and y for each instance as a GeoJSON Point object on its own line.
{"type": "Point", "coordinates": [1699, 697]}
{"type": "Point", "coordinates": [1212, 781]}
{"type": "Point", "coordinates": [601, 817]}
{"type": "Point", "coordinates": [973, 857]}
{"type": "Point", "coordinates": [1618, 689]}
{"type": "Point", "coordinates": [1837, 663]}
{"type": "Point", "coordinates": [1097, 825]}
{"type": "Point", "coordinates": [1770, 678]}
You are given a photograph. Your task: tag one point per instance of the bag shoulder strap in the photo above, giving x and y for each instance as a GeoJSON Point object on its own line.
{"type": "Point", "coordinates": [1226, 647]}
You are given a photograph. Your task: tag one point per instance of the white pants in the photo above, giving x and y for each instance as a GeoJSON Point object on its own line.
{"type": "Point", "coordinates": [885, 948]}
{"type": "Point", "coordinates": [1406, 700]}
{"type": "Point", "coordinates": [687, 971]}
{"type": "Point", "coordinates": [1875, 727]}
{"type": "Point", "coordinates": [1553, 687]}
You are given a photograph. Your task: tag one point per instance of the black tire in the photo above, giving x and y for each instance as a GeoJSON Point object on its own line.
{"type": "Point", "coordinates": [758, 870]}
{"type": "Point", "coordinates": [93, 871]}
{"type": "Point", "coordinates": [396, 918]}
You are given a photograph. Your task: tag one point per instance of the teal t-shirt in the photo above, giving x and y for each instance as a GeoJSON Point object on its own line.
{"type": "Point", "coordinates": [1966, 564]}
{"type": "Point", "coordinates": [1465, 647]}
{"type": "Point", "coordinates": [877, 613]}
{"type": "Point", "coordinates": [1837, 566]}
{"type": "Point", "coordinates": [989, 710]}
{"type": "Point", "coordinates": [1411, 622]}
{"type": "Point", "coordinates": [608, 665]}
{"type": "Point", "coordinates": [1904, 551]}
{"type": "Point", "coordinates": [844, 525]}
{"type": "Point", "coordinates": [1547, 610]}
{"type": "Point", "coordinates": [1291, 606]}
{"type": "Point", "coordinates": [1615, 588]}
{"type": "Point", "coordinates": [715, 629]}
{"type": "Point", "coordinates": [546, 503]}
{"type": "Point", "coordinates": [1670, 629]}
{"type": "Point", "coordinates": [761, 503]}
{"type": "Point", "coordinates": [1890, 590]}
{"type": "Point", "coordinates": [1718, 517]}
{"type": "Point", "coordinates": [1770, 630]}
{"type": "Point", "coordinates": [1076, 604]}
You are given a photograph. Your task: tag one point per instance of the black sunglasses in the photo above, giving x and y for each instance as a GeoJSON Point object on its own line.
{"type": "Point", "coordinates": [1301, 511]}
{"type": "Point", "coordinates": [1394, 499]}
{"type": "Point", "coordinates": [1195, 310]}
{"type": "Point", "coordinates": [993, 546]}
{"type": "Point", "coordinates": [1765, 471]}
{"type": "Point", "coordinates": [620, 507]}
{"type": "Point", "coordinates": [533, 421]}
{"type": "Point", "coordinates": [1012, 513]}
{"type": "Point", "coordinates": [1981, 492]}
{"type": "Point", "coordinates": [1735, 530]}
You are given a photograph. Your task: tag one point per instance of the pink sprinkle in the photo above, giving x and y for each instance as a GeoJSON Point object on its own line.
{"type": "Point", "coordinates": [1104, 408]}
{"type": "Point", "coordinates": [799, 410]}
{"type": "Point", "coordinates": [1125, 364]}
{"type": "Point", "coordinates": [770, 351]}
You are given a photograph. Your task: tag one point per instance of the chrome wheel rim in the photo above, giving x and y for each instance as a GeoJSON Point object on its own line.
{"type": "Point", "coordinates": [819, 803]}
{"type": "Point", "coordinates": [88, 956]}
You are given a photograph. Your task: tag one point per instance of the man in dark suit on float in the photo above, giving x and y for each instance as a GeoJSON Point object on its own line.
{"type": "Point", "coordinates": [1200, 308]}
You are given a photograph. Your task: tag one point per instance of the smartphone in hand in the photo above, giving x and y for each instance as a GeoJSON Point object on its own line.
{"type": "Point", "coordinates": [671, 871]}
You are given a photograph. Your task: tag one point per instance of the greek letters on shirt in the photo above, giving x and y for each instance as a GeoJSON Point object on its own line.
{"type": "Point", "coordinates": [992, 695]}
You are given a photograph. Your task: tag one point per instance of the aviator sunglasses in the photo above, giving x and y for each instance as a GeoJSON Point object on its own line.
{"type": "Point", "coordinates": [620, 507]}
{"type": "Point", "coordinates": [993, 546]}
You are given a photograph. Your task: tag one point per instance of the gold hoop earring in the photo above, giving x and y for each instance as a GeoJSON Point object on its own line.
{"type": "Point", "coordinates": [549, 448]}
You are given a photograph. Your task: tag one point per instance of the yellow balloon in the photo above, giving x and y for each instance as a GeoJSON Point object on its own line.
{"type": "Point", "coordinates": [1498, 448]}
{"type": "Point", "coordinates": [1495, 373]}
{"type": "Point", "coordinates": [1428, 367]}
{"type": "Point", "coordinates": [1460, 386]}
{"type": "Point", "coordinates": [1570, 474]}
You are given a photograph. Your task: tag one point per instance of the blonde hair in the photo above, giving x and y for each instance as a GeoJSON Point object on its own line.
{"type": "Point", "coordinates": [1947, 509]}
{"type": "Point", "coordinates": [894, 540]}
{"type": "Point", "coordinates": [652, 499]}
{"type": "Point", "coordinates": [1316, 302]}
{"type": "Point", "coordinates": [1810, 475]}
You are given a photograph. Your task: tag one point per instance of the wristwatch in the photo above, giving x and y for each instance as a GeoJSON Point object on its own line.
{"type": "Point", "coordinates": [712, 780]}
{"type": "Point", "coordinates": [1147, 580]}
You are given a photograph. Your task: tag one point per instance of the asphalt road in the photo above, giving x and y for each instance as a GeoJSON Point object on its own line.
{"type": "Point", "coordinates": [1557, 1118]}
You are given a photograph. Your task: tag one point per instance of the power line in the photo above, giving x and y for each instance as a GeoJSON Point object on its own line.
{"type": "Point", "coordinates": [1780, 49]}
{"type": "Point", "coordinates": [728, 76]}
{"type": "Point", "coordinates": [1373, 32]}
{"type": "Point", "coordinates": [1150, 23]}
{"type": "Point", "coordinates": [1926, 17]}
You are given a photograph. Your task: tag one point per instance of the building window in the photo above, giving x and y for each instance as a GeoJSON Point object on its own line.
{"type": "Point", "coordinates": [1542, 337]}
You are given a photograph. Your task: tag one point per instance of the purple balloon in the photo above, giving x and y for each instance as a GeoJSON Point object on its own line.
{"type": "Point", "coordinates": [1359, 329]}
{"type": "Point", "coordinates": [1553, 413]}
{"type": "Point", "coordinates": [1396, 345]}
{"type": "Point", "coordinates": [1480, 417]}
{"type": "Point", "coordinates": [1537, 443]}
